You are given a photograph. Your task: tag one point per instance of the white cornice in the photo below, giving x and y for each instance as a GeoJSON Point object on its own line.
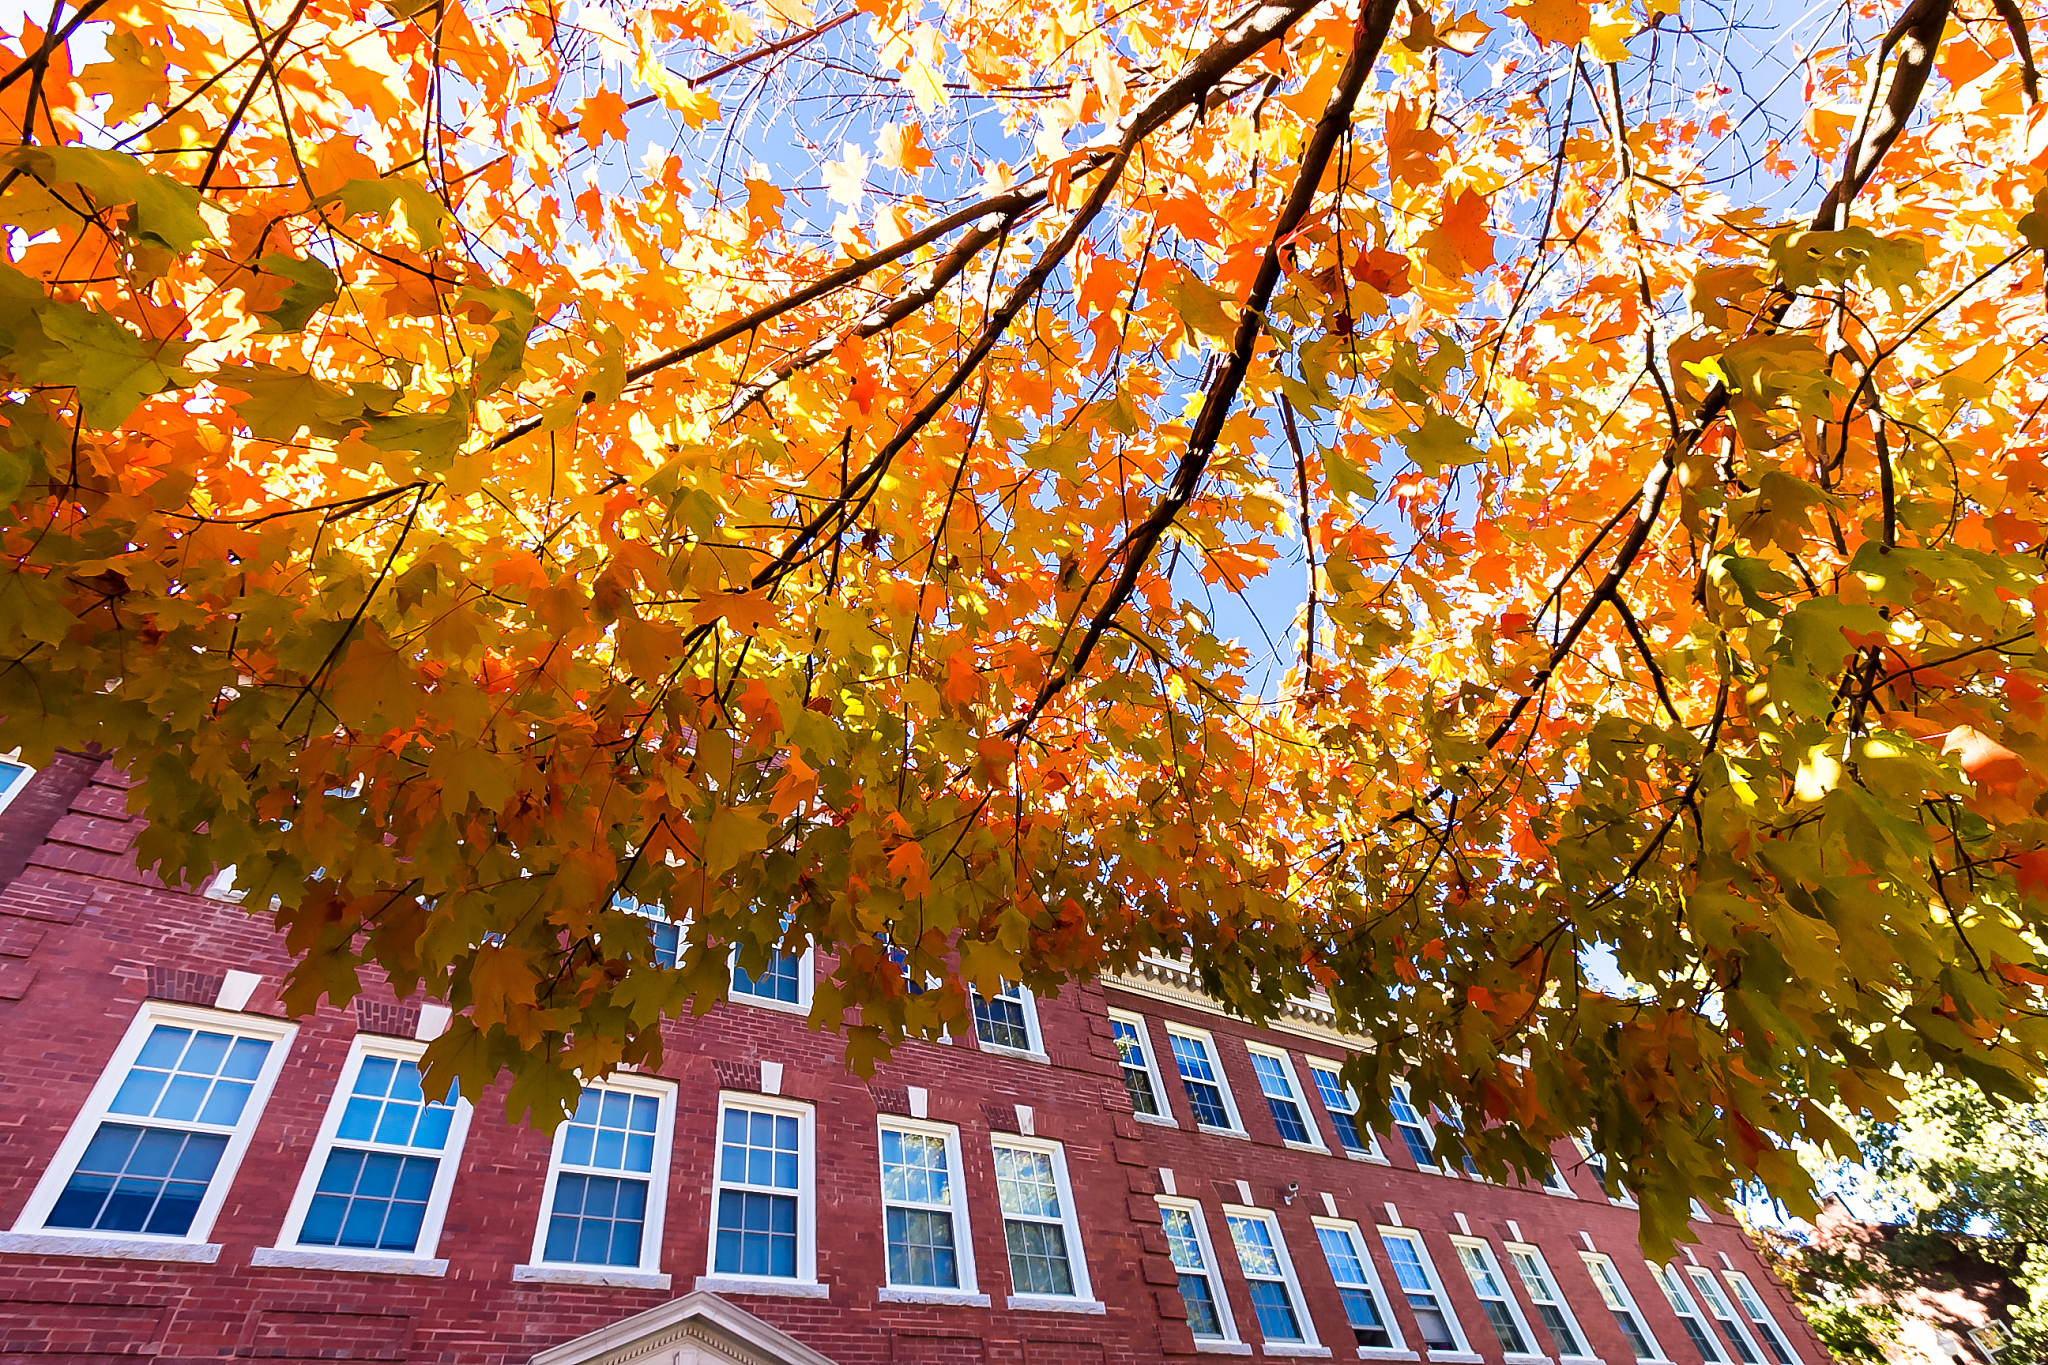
{"type": "Point", "coordinates": [1177, 983]}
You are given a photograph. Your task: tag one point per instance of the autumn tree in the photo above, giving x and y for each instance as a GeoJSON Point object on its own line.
{"type": "Point", "coordinates": [493, 472]}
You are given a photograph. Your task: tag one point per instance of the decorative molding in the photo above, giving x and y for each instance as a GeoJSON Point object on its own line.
{"type": "Point", "coordinates": [701, 1323]}
{"type": "Point", "coordinates": [1177, 983]}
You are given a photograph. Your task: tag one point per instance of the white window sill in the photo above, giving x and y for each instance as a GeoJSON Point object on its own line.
{"type": "Point", "coordinates": [1377, 1161]}
{"type": "Point", "coordinates": [1223, 1132]}
{"type": "Point", "coordinates": [1561, 1194]}
{"type": "Point", "coordinates": [1021, 1053]}
{"type": "Point", "coordinates": [1049, 1303]}
{"type": "Point", "coordinates": [111, 1248]}
{"type": "Point", "coordinates": [1580, 1360]}
{"type": "Point", "coordinates": [1458, 1357]}
{"type": "Point", "coordinates": [1162, 1120]}
{"type": "Point", "coordinates": [782, 1289]}
{"type": "Point", "coordinates": [1283, 1348]}
{"type": "Point", "coordinates": [357, 1262]}
{"type": "Point", "coordinates": [964, 1298]}
{"type": "Point", "coordinates": [1385, 1353]}
{"type": "Point", "coordinates": [763, 1002]}
{"type": "Point", "coordinates": [1222, 1348]}
{"type": "Point", "coordinates": [1315, 1147]}
{"type": "Point", "coordinates": [599, 1278]}
{"type": "Point", "coordinates": [1527, 1358]}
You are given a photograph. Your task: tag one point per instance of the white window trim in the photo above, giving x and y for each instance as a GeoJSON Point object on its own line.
{"type": "Point", "coordinates": [1671, 1275]}
{"type": "Point", "coordinates": [1217, 1289]}
{"type": "Point", "coordinates": [1308, 1118]}
{"type": "Point", "coordinates": [1165, 1118]}
{"type": "Point", "coordinates": [1507, 1289]}
{"type": "Point", "coordinates": [1436, 1283]}
{"type": "Point", "coordinates": [29, 1235]}
{"type": "Point", "coordinates": [805, 1283]}
{"type": "Point", "coordinates": [1082, 1300]}
{"type": "Point", "coordinates": [1208, 1042]}
{"type": "Point", "coordinates": [1428, 1133]}
{"type": "Point", "coordinates": [647, 1273]}
{"type": "Point", "coordinates": [28, 775]}
{"type": "Point", "coordinates": [1372, 1151]}
{"type": "Point", "coordinates": [1029, 1000]}
{"type": "Point", "coordinates": [1628, 1298]}
{"type": "Point", "coordinates": [1563, 1188]}
{"type": "Point", "coordinates": [1310, 1343]}
{"type": "Point", "coordinates": [1399, 1349]}
{"type": "Point", "coordinates": [419, 1261]}
{"type": "Point", "coordinates": [1767, 1324]}
{"type": "Point", "coordinates": [1563, 1304]}
{"type": "Point", "coordinates": [963, 1235]}
{"type": "Point", "coordinates": [1702, 1276]}
{"type": "Point", "coordinates": [806, 985]}
{"type": "Point", "coordinates": [1596, 1166]}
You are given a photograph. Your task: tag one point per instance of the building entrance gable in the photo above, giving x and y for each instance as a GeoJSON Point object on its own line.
{"type": "Point", "coordinates": [697, 1329]}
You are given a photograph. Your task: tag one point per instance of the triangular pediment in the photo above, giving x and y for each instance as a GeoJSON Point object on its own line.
{"type": "Point", "coordinates": [697, 1329]}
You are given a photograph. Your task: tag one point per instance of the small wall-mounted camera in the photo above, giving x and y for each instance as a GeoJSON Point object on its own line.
{"type": "Point", "coordinates": [1293, 1188]}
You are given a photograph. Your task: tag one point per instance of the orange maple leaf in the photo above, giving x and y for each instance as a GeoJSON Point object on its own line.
{"type": "Point", "coordinates": [603, 115]}
{"type": "Point", "coordinates": [1555, 21]}
{"type": "Point", "coordinates": [901, 148]}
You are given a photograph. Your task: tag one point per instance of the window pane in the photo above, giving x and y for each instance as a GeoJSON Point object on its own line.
{"type": "Point", "coordinates": [1198, 1081]}
{"type": "Point", "coordinates": [1000, 1020]}
{"type": "Point", "coordinates": [1203, 1319]}
{"type": "Point", "coordinates": [1361, 1306]}
{"type": "Point", "coordinates": [1025, 1184]}
{"type": "Point", "coordinates": [914, 1169]}
{"type": "Point", "coordinates": [1275, 1310]}
{"type": "Point", "coordinates": [921, 1249]}
{"type": "Point", "coordinates": [1130, 1049]}
{"type": "Point", "coordinates": [756, 1234]}
{"type": "Point", "coordinates": [760, 1149]}
{"type": "Point", "coordinates": [370, 1201]}
{"type": "Point", "coordinates": [597, 1220]}
{"type": "Point", "coordinates": [1337, 1103]}
{"type": "Point", "coordinates": [611, 1131]}
{"type": "Point", "coordinates": [781, 980]}
{"type": "Point", "coordinates": [186, 1075]}
{"type": "Point", "coordinates": [138, 1180]}
{"type": "Point", "coordinates": [1038, 1258]}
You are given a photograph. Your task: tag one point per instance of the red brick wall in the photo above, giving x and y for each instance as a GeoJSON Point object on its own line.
{"type": "Point", "coordinates": [87, 939]}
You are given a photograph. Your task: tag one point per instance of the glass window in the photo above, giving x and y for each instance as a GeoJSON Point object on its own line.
{"type": "Point", "coordinates": [1682, 1306]}
{"type": "Point", "coordinates": [666, 935]}
{"type": "Point", "coordinates": [761, 1229]}
{"type": "Point", "coordinates": [384, 1161]}
{"type": "Point", "coordinates": [1201, 1081]}
{"type": "Point", "coordinates": [1555, 1182]}
{"type": "Point", "coordinates": [14, 776]}
{"type": "Point", "coordinates": [1412, 1127]}
{"type": "Point", "coordinates": [1615, 1295]}
{"type": "Point", "coordinates": [1187, 1237]}
{"type": "Point", "coordinates": [1417, 1278]}
{"type": "Point", "coordinates": [159, 1138]}
{"type": "Point", "coordinates": [1549, 1304]}
{"type": "Point", "coordinates": [1358, 1287]}
{"type": "Point", "coordinates": [784, 981]}
{"type": "Point", "coordinates": [924, 1209]}
{"type": "Point", "coordinates": [1268, 1276]}
{"type": "Point", "coordinates": [1276, 1083]}
{"type": "Point", "coordinates": [1134, 1056]}
{"type": "Point", "coordinates": [1724, 1314]}
{"type": "Point", "coordinates": [1008, 1020]}
{"type": "Point", "coordinates": [603, 1180]}
{"type": "Point", "coordinates": [1766, 1328]}
{"type": "Point", "coordinates": [1494, 1301]}
{"type": "Point", "coordinates": [1038, 1220]}
{"type": "Point", "coordinates": [1342, 1107]}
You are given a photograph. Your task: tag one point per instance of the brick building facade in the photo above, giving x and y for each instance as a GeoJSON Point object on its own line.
{"type": "Point", "coordinates": [1117, 1174]}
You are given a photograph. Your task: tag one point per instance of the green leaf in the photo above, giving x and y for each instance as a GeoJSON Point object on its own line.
{"type": "Point", "coordinates": [313, 287]}
{"type": "Point", "coordinates": [166, 211]}
{"type": "Point", "coordinates": [281, 403]}
{"type": "Point", "coordinates": [1891, 264]}
{"type": "Point", "coordinates": [426, 217]}
{"type": "Point", "coordinates": [1752, 578]}
{"type": "Point", "coordinates": [1440, 441]}
{"type": "Point", "coordinates": [112, 368]}
{"type": "Point", "coordinates": [434, 437]}
{"type": "Point", "coordinates": [1202, 308]}
{"type": "Point", "coordinates": [514, 320]}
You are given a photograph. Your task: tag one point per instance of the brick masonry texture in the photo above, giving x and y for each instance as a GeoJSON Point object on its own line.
{"type": "Point", "coordinates": [85, 939]}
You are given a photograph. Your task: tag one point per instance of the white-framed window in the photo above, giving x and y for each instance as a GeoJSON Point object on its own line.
{"type": "Point", "coordinates": [924, 1208]}
{"type": "Point", "coordinates": [383, 1163]}
{"type": "Point", "coordinates": [785, 983]}
{"type": "Point", "coordinates": [1723, 1312]}
{"type": "Point", "coordinates": [764, 1220]}
{"type": "Point", "coordinates": [1277, 1082]}
{"type": "Point", "coordinates": [1269, 1276]}
{"type": "Point", "coordinates": [1358, 1286]}
{"type": "Point", "coordinates": [1201, 1080]}
{"type": "Point", "coordinates": [1496, 1300]}
{"type": "Point", "coordinates": [1007, 1022]}
{"type": "Point", "coordinates": [1555, 1183]}
{"type": "Point", "coordinates": [151, 1154]}
{"type": "Point", "coordinates": [1340, 1102]}
{"type": "Point", "coordinates": [1194, 1261]}
{"type": "Point", "coordinates": [1752, 1305]}
{"type": "Point", "coordinates": [1412, 1128]}
{"type": "Point", "coordinates": [1595, 1161]}
{"type": "Point", "coordinates": [1416, 1273]}
{"type": "Point", "coordinates": [1140, 1070]}
{"type": "Point", "coordinates": [1614, 1293]}
{"type": "Point", "coordinates": [1041, 1230]}
{"type": "Point", "coordinates": [1687, 1312]}
{"type": "Point", "coordinates": [1567, 1340]}
{"type": "Point", "coordinates": [607, 1185]}
{"type": "Point", "coordinates": [14, 777]}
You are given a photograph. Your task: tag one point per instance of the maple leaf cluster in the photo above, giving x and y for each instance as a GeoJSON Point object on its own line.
{"type": "Point", "coordinates": [494, 476]}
